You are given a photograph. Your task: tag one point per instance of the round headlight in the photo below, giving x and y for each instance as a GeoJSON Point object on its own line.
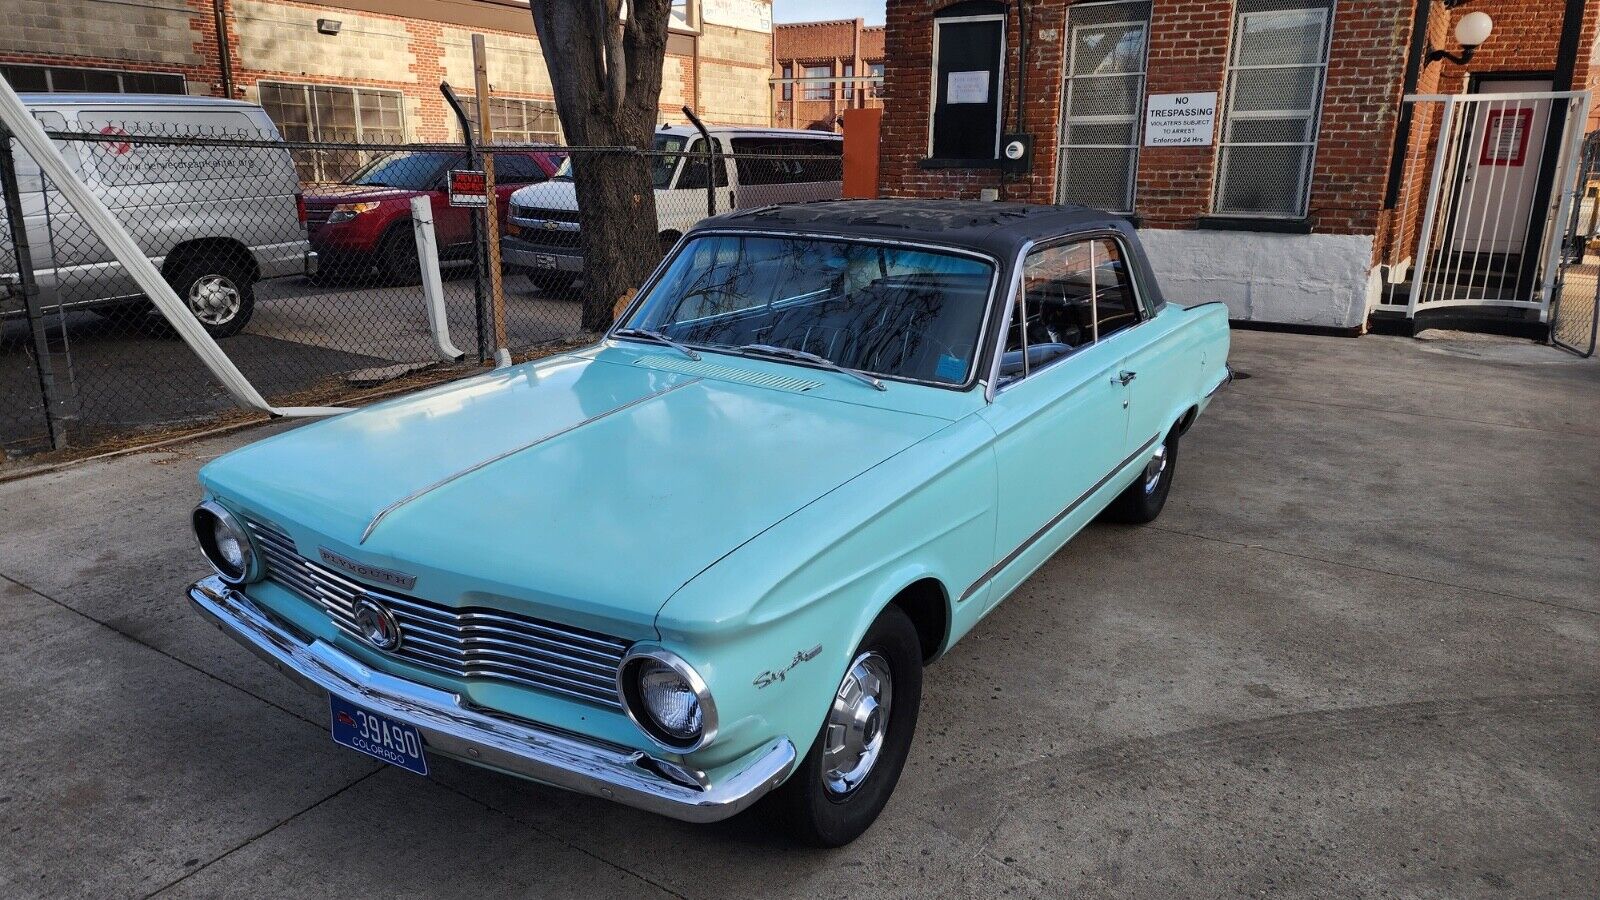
{"type": "Point", "coordinates": [224, 542]}
{"type": "Point", "coordinates": [670, 700]}
{"type": "Point", "coordinates": [666, 698]}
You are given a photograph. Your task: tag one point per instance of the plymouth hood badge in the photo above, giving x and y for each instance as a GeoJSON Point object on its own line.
{"type": "Point", "coordinates": [371, 573]}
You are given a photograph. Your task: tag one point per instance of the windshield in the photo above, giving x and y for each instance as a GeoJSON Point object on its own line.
{"type": "Point", "coordinates": [413, 171]}
{"type": "Point", "coordinates": [662, 164]}
{"type": "Point", "coordinates": [891, 311]}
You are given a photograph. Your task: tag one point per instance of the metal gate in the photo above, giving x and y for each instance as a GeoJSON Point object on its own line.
{"type": "Point", "coordinates": [1491, 182]}
{"type": "Point", "coordinates": [1575, 312]}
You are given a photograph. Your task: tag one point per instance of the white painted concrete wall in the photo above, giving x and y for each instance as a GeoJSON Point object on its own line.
{"type": "Point", "coordinates": [1296, 279]}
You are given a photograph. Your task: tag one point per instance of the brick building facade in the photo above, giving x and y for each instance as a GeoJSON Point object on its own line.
{"type": "Point", "coordinates": [1286, 209]}
{"type": "Point", "coordinates": [844, 48]}
{"type": "Point", "coordinates": [367, 68]}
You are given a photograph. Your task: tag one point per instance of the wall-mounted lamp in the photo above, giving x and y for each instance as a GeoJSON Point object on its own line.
{"type": "Point", "coordinates": [332, 26]}
{"type": "Point", "coordinates": [1471, 31]}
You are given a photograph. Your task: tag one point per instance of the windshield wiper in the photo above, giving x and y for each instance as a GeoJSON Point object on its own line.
{"type": "Point", "coordinates": [806, 356]}
{"type": "Point", "coordinates": [658, 338]}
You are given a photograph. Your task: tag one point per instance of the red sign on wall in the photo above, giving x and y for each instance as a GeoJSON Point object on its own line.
{"type": "Point", "coordinates": [1505, 137]}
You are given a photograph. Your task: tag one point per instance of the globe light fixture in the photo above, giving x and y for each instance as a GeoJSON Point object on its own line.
{"type": "Point", "coordinates": [1471, 32]}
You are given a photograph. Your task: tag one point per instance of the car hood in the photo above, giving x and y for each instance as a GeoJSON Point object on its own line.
{"type": "Point", "coordinates": [553, 194]}
{"type": "Point", "coordinates": [355, 193]}
{"type": "Point", "coordinates": [585, 490]}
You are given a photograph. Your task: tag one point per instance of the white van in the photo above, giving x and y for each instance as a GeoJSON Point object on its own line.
{"type": "Point", "coordinates": [214, 220]}
{"type": "Point", "coordinates": [543, 237]}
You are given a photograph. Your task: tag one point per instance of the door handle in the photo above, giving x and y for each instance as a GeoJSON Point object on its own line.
{"type": "Point", "coordinates": [1124, 376]}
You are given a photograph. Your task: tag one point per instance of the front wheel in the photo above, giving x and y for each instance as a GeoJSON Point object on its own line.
{"type": "Point", "coordinates": [1144, 499]}
{"type": "Point", "coordinates": [397, 256]}
{"type": "Point", "coordinates": [552, 281]}
{"type": "Point", "coordinates": [220, 293]}
{"type": "Point", "coordinates": [844, 782]}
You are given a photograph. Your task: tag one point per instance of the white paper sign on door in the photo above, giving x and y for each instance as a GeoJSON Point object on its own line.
{"type": "Point", "coordinates": [1180, 120]}
{"type": "Point", "coordinates": [967, 87]}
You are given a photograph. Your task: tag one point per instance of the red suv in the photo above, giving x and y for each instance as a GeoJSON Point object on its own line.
{"type": "Point", "coordinates": [366, 220]}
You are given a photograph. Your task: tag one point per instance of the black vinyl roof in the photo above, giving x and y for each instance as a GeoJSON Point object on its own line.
{"type": "Point", "coordinates": [991, 227]}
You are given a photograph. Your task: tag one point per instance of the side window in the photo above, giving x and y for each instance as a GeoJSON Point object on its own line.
{"type": "Point", "coordinates": [1072, 295]}
{"type": "Point", "coordinates": [30, 180]}
{"type": "Point", "coordinates": [825, 160]}
{"type": "Point", "coordinates": [761, 171]}
{"type": "Point", "coordinates": [1116, 307]}
{"type": "Point", "coordinates": [694, 169]}
{"type": "Point", "coordinates": [516, 168]}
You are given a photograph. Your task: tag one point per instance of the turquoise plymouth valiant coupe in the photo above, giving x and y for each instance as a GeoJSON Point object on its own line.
{"type": "Point", "coordinates": [703, 563]}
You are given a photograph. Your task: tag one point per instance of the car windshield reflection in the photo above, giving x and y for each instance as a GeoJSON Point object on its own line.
{"type": "Point", "coordinates": [878, 309]}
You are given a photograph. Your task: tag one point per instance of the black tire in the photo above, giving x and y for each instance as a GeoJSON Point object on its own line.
{"type": "Point", "coordinates": [805, 806]}
{"type": "Point", "coordinates": [1143, 501]}
{"type": "Point", "coordinates": [552, 281]}
{"type": "Point", "coordinates": [335, 270]}
{"type": "Point", "coordinates": [219, 290]}
{"type": "Point", "coordinates": [397, 256]}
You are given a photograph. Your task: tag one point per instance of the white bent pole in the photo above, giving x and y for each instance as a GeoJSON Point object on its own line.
{"type": "Point", "coordinates": [432, 283]}
{"type": "Point", "coordinates": [30, 134]}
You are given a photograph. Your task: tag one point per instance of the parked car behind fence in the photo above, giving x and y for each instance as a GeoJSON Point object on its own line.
{"type": "Point", "coordinates": [215, 224]}
{"type": "Point", "coordinates": [365, 221]}
{"type": "Point", "coordinates": [93, 362]}
{"type": "Point", "coordinates": [755, 167]}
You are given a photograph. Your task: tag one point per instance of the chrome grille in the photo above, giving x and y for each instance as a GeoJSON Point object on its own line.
{"type": "Point", "coordinates": [461, 643]}
{"type": "Point", "coordinates": [317, 214]}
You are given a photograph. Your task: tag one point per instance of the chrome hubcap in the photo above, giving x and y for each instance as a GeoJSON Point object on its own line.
{"type": "Point", "coordinates": [1154, 469]}
{"type": "Point", "coordinates": [214, 299]}
{"type": "Point", "coordinates": [857, 723]}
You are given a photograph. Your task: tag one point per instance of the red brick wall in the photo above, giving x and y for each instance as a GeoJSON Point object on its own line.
{"type": "Point", "coordinates": [832, 44]}
{"type": "Point", "coordinates": [1525, 40]}
{"type": "Point", "coordinates": [1188, 52]}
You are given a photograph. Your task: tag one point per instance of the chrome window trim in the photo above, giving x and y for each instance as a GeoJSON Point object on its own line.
{"type": "Point", "coordinates": [978, 346]}
{"type": "Point", "coordinates": [1146, 313]}
{"type": "Point", "coordinates": [702, 693]}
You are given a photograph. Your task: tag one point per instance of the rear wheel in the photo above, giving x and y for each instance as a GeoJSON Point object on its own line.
{"type": "Point", "coordinates": [219, 292]}
{"type": "Point", "coordinates": [1145, 498]}
{"type": "Point", "coordinates": [846, 779]}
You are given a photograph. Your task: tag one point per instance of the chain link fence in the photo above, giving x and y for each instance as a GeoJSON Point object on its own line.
{"type": "Point", "coordinates": [313, 289]}
{"type": "Point", "coordinates": [1575, 312]}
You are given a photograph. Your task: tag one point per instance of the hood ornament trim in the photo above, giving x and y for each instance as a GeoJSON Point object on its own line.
{"type": "Point", "coordinates": [415, 495]}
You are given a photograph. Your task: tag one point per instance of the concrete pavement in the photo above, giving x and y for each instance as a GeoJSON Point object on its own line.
{"type": "Point", "coordinates": [1356, 655]}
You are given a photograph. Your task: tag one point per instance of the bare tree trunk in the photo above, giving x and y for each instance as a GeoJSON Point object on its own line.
{"type": "Point", "coordinates": [607, 78]}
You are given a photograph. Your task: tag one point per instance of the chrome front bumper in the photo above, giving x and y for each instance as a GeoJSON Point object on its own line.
{"type": "Point", "coordinates": [450, 728]}
{"type": "Point", "coordinates": [517, 252]}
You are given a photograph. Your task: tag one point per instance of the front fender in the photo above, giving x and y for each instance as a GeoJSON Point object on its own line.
{"type": "Point", "coordinates": [772, 626]}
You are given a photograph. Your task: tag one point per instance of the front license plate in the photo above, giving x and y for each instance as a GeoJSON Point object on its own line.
{"type": "Point", "coordinates": [380, 736]}
{"type": "Point", "coordinates": [544, 261]}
